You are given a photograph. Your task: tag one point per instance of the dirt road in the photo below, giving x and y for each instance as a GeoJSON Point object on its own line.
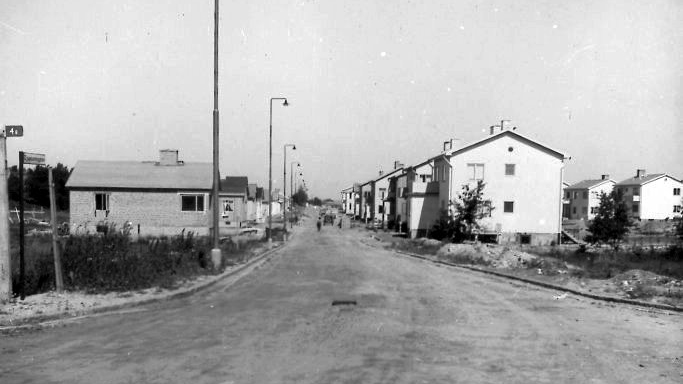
{"type": "Point", "coordinates": [414, 322]}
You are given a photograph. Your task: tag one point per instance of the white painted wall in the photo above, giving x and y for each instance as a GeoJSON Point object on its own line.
{"type": "Point", "coordinates": [657, 199]}
{"type": "Point", "coordinates": [535, 189]}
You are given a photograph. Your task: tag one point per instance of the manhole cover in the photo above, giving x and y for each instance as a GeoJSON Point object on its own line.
{"type": "Point", "coordinates": [344, 302]}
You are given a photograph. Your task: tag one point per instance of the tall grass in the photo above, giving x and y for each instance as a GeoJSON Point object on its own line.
{"type": "Point", "coordinates": [115, 262]}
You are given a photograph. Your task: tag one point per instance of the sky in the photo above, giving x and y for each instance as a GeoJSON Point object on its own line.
{"type": "Point", "coordinates": [368, 82]}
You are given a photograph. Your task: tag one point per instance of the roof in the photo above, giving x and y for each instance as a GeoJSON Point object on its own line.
{"type": "Point", "coordinates": [498, 135]}
{"type": "Point", "coordinates": [234, 184]}
{"type": "Point", "coordinates": [645, 179]}
{"type": "Point", "coordinates": [138, 174]}
{"type": "Point", "coordinates": [385, 175]}
{"type": "Point", "coordinates": [588, 184]}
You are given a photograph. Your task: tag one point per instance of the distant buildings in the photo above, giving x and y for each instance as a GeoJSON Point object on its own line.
{"type": "Point", "coordinates": [584, 197]}
{"type": "Point", "coordinates": [655, 196]}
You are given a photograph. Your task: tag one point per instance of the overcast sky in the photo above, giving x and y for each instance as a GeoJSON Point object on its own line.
{"type": "Point", "coordinates": [369, 81]}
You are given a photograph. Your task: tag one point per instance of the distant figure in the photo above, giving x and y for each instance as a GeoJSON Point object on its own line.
{"type": "Point", "coordinates": [319, 224]}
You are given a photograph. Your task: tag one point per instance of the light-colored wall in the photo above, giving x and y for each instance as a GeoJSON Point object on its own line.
{"type": "Point", "coordinates": [535, 188]}
{"type": "Point", "coordinates": [422, 213]}
{"type": "Point", "coordinates": [592, 201]}
{"type": "Point", "coordinates": [234, 218]}
{"type": "Point", "coordinates": [378, 201]}
{"type": "Point", "coordinates": [657, 199]}
{"type": "Point", "coordinates": [157, 213]}
{"type": "Point", "coordinates": [401, 202]}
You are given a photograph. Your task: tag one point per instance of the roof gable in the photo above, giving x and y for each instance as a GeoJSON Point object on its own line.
{"type": "Point", "coordinates": [235, 184]}
{"type": "Point", "coordinates": [588, 184]}
{"type": "Point", "coordinates": [488, 139]}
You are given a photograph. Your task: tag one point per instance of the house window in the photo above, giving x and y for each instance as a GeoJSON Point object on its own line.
{"type": "Point", "coordinates": [192, 203]}
{"type": "Point", "coordinates": [576, 194]}
{"type": "Point", "coordinates": [425, 178]}
{"type": "Point", "coordinates": [677, 191]}
{"type": "Point", "coordinates": [380, 209]}
{"type": "Point", "coordinates": [574, 210]}
{"type": "Point", "coordinates": [585, 194]}
{"type": "Point", "coordinates": [594, 210]}
{"type": "Point", "coordinates": [677, 208]}
{"type": "Point", "coordinates": [475, 171]}
{"type": "Point", "coordinates": [636, 191]}
{"type": "Point", "coordinates": [508, 206]}
{"type": "Point", "coordinates": [634, 208]}
{"type": "Point", "coordinates": [382, 191]}
{"type": "Point", "coordinates": [484, 209]}
{"type": "Point", "coordinates": [509, 169]}
{"type": "Point", "coordinates": [102, 201]}
{"type": "Point", "coordinates": [568, 194]}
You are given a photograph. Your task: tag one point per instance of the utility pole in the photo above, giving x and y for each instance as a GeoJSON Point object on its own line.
{"type": "Point", "coordinates": [216, 251]}
{"type": "Point", "coordinates": [5, 259]}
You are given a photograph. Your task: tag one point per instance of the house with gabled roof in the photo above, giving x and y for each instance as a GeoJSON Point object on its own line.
{"type": "Point", "coordinates": [381, 202]}
{"type": "Point", "coordinates": [652, 197]}
{"type": "Point", "coordinates": [161, 197]}
{"type": "Point", "coordinates": [584, 197]}
{"type": "Point", "coordinates": [233, 194]}
{"type": "Point", "coordinates": [523, 185]}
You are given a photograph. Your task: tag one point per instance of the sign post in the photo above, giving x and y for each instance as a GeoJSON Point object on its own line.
{"type": "Point", "coordinates": [5, 258]}
{"type": "Point", "coordinates": [35, 159]}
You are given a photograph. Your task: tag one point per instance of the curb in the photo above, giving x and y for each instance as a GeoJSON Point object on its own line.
{"type": "Point", "coordinates": [543, 284]}
{"type": "Point", "coordinates": [49, 320]}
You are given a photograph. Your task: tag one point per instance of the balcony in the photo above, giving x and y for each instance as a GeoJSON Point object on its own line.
{"type": "Point", "coordinates": [431, 187]}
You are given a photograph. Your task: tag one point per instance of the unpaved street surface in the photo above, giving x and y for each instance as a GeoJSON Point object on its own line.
{"type": "Point", "coordinates": [414, 322]}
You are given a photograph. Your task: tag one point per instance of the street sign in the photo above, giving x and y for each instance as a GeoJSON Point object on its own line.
{"type": "Point", "coordinates": [34, 158]}
{"type": "Point", "coordinates": [14, 130]}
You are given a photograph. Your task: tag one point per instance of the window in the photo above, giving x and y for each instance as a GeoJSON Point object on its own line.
{"type": "Point", "coordinates": [677, 208]}
{"type": "Point", "coordinates": [574, 210]}
{"type": "Point", "coordinates": [380, 209]}
{"type": "Point", "coordinates": [426, 178]}
{"type": "Point", "coordinates": [585, 194]}
{"type": "Point", "coordinates": [192, 203]}
{"type": "Point", "coordinates": [594, 210]}
{"type": "Point", "coordinates": [509, 169]}
{"type": "Point", "coordinates": [576, 194]}
{"type": "Point", "coordinates": [475, 171]}
{"type": "Point", "coordinates": [484, 209]}
{"type": "Point", "coordinates": [382, 192]}
{"type": "Point", "coordinates": [508, 206]}
{"type": "Point", "coordinates": [568, 194]}
{"type": "Point", "coordinates": [677, 191]}
{"type": "Point", "coordinates": [634, 208]}
{"type": "Point", "coordinates": [102, 201]}
{"type": "Point", "coordinates": [636, 191]}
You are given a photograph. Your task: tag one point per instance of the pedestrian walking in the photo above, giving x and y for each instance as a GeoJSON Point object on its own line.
{"type": "Point", "coordinates": [319, 224]}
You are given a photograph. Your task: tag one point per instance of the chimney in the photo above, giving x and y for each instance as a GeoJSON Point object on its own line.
{"type": "Point", "coordinates": [381, 172]}
{"type": "Point", "coordinates": [605, 177]}
{"type": "Point", "coordinates": [168, 157]}
{"type": "Point", "coordinates": [640, 173]}
{"type": "Point", "coordinates": [504, 125]}
{"type": "Point", "coordinates": [493, 129]}
{"type": "Point", "coordinates": [397, 164]}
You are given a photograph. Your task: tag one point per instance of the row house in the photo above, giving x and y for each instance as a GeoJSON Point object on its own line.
{"type": "Point", "coordinates": [523, 187]}
{"type": "Point", "coordinates": [347, 199]}
{"type": "Point", "coordinates": [583, 198]}
{"type": "Point", "coordinates": [652, 197]}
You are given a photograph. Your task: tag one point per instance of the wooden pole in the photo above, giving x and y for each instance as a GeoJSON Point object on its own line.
{"type": "Point", "coordinates": [21, 227]}
{"type": "Point", "coordinates": [5, 258]}
{"type": "Point", "coordinates": [59, 283]}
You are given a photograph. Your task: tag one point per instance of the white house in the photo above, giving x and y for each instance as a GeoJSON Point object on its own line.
{"type": "Point", "coordinates": [656, 196]}
{"type": "Point", "coordinates": [422, 198]}
{"type": "Point", "coordinates": [584, 197]}
{"type": "Point", "coordinates": [523, 181]}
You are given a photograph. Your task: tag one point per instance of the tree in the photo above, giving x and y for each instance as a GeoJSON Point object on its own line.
{"type": "Point", "coordinates": [300, 197]}
{"type": "Point", "coordinates": [679, 226]}
{"type": "Point", "coordinates": [315, 201]}
{"type": "Point", "coordinates": [611, 223]}
{"type": "Point", "coordinates": [36, 185]}
{"type": "Point", "coordinates": [469, 208]}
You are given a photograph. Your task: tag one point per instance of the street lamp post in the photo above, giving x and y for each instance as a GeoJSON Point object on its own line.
{"type": "Point", "coordinates": [215, 251]}
{"type": "Point", "coordinates": [270, 168]}
{"type": "Point", "coordinates": [291, 185]}
{"type": "Point", "coordinates": [284, 185]}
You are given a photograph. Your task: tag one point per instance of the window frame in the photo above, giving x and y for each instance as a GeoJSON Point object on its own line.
{"type": "Point", "coordinates": [104, 201]}
{"type": "Point", "coordinates": [196, 196]}
{"type": "Point", "coordinates": [505, 206]}
{"type": "Point", "coordinates": [474, 167]}
{"type": "Point", "coordinates": [677, 191]}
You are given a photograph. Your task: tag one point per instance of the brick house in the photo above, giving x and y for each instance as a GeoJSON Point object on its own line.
{"type": "Point", "coordinates": [156, 197]}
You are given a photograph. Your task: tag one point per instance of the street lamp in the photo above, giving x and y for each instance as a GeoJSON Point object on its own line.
{"type": "Point", "coordinates": [291, 184]}
{"type": "Point", "coordinates": [270, 168]}
{"type": "Point", "coordinates": [215, 251]}
{"type": "Point", "coordinates": [284, 185]}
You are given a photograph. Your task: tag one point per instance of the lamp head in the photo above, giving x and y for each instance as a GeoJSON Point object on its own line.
{"type": "Point", "coordinates": [294, 147]}
{"type": "Point", "coordinates": [285, 103]}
